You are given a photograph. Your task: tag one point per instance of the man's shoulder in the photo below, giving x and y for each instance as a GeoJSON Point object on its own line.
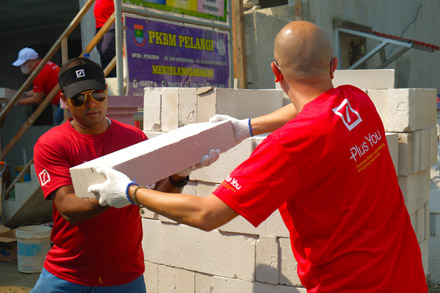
{"type": "Point", "coordinates": [124, 127]}
{"type": "Point", "coordinates": [54, 134]}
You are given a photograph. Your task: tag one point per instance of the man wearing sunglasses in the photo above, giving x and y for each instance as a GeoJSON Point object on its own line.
{"type": "Point", "coordinates": [95, 248]}
{"type": "Point", "coordinates": [328, 171]}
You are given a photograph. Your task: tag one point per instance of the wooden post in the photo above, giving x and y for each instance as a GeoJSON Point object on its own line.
{"type": "Point", "coordinates": [64, 51]}
{"type": "Point", "coordinates": [298, 9]}
{"type": "Point", "coordinates": [239, 43]}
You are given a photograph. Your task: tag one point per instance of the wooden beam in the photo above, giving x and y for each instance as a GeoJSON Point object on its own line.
{"type": "Point", "coordinates": [64, 51]}
{"type": "Point", "coordinates": [298, 10]}
{"type": "Point", "coordinates": [239, 43]}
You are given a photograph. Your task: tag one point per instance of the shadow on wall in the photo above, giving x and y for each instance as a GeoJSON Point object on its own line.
{"type": "Point", "coordinates": [270, 279]}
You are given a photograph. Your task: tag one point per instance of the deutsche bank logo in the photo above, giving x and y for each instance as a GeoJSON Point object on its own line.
{"type": "Point", "coordinates": [80, 73]}
{"type": "Point", "coordinates": [349, 116]}
{"type": "Point", "coordinates": [44, 177]}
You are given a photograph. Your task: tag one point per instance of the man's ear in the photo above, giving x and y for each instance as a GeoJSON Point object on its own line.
{"type": "Point", "coordinates": [333, 66]}
{"type": "Point", "coordinates": [64, 99]}
{"type": "Point", "coordinates": [276, 72]}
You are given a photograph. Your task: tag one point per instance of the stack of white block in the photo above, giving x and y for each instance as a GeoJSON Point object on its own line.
{"type": "Point", "coordinates": [239, 257]}
{"type": "Point", "coordinates": [411, 113]}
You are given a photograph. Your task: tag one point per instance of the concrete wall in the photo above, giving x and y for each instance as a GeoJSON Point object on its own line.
{"type": "Point", "coordinates": [238, 257]}
{"type": "Point", "coordinates": [411, 19]}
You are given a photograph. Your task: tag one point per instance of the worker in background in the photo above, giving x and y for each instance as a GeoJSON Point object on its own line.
{"type": "Point", "coordinates": [328, 171]}
{"type": "Point", "coordinates": [95, 248]}
{"type": "Point", "coordinates": [106, 47]}
{"type": "Point", "coordinates": [43, 83]}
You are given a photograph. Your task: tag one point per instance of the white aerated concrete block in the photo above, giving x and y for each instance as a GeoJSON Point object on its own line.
{"type": "Point", "coordinates": [204, 283]}
{"type": "Point", "coordinates": [393, 146]}
{"type": "Point", "coordinates": [288, 264]}
{"type": "Point", "coordinates": [152, 160]}
{"type": "Point", "coordinates": [172, 280]}
{"type": "Point", "coordinates": [167, 279]}
{"type": "Point", "coordinates": [152, 109]}
{"type": "Point", "coordinates": [151, 276]}
{"type": "Point", "coordinates": [365, 78]}
{"type": "Point", "coordinates": [417, 150]}
{"type": "Point", "coordinates": [185, 281]}
{"type": "Point", "coordinates": [405, 110]}
{"type": "Point", "coordinates": [226, 285]}
{"type": "Point", "coordinates": [415, 190]}
{"type": "Point", "coordinates": [275, 225]}
{"type": "Point", "coordinates": [191, 249]}
{"type": "Point", "coordinates": [242, 226]}
{"type": "Point", "coordinates": [179, 107]}
{"type": "Point", "coordinates": [267, 265]}
{"type": "Point", "coordinates": [228, 161]}
{"type": "Point", "coordinates": [420, 221]}
{"type": "Point", "coordinates": [238, 103]}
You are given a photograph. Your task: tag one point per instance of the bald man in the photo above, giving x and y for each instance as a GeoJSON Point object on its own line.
{"type": "Point", "coordinates": [327, 170]}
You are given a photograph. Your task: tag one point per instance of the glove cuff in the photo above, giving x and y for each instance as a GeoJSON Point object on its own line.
{"type": "Point", "coordinates": [126, 191]}
{"type": "Point", "coordinates": [243, 130]}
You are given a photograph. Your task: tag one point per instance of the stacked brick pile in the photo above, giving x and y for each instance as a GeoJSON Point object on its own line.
{"type": "Point", "coordinates": [411, 113]}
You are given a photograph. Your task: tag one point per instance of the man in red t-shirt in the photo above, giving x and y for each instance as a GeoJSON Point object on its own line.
{"type": "Point", "coordinates": [43, 83]}
{"type": "Point", "coordinates": [95, 248]}
{"type": "Point", "coordinates": [327, 170]}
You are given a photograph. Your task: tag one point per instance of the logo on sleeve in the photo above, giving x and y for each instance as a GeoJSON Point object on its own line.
{"type": "Point", "coordinates": [44, 177]}
{"type": "Point", "coordinates": [233, 182]}
{"type": "Point", "coordinates": [349, 116]}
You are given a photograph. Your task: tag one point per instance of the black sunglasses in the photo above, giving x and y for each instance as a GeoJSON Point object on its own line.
{"type": "Point", "coordinates": [80, 98]}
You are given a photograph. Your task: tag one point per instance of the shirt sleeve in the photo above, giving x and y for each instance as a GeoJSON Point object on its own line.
{"type": "Point", "coordinates": [52, 167]}
{"type": "Point", "coordinates": [261, 184]}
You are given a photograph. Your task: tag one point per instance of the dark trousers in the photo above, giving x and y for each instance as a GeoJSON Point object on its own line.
{"type": "Point", "coordinates": [107, 49]}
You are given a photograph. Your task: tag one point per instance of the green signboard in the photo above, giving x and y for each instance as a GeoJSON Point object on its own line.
{"type": "Point", "coordinates": [210, 9]}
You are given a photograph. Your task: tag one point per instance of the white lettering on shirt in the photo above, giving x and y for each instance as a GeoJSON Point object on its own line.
{"type": "Point", "coordinates": [357, 151]}
{"type": "Point", "coordinates": [233, 182]}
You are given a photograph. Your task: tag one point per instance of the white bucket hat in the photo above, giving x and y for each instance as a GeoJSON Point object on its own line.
{"type": "Point", "coordinates": [24, 55]}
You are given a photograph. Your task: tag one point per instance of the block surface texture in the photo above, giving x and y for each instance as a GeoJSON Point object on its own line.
{"type": "Point", "coordinates": [159, 157]}
{"type": "Point", "coordinates": [365, 78]}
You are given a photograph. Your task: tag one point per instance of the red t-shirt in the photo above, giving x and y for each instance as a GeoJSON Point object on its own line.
{"type": "Point", "coordinates": [330, 174]}
{"type": "Point", "coordinates": [103, 10]}
{"type": "Point", "coordinates": [46, 80]}
{"type": "Point", "coordinates": [105, 250]}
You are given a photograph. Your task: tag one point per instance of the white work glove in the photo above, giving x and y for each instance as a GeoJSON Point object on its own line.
{"type": "Point", "coordinates": [205, 161]}
{"type": "Point", "coordinates": [241, 127]}
{"type": "Point", "coordinates": [113, 191]}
